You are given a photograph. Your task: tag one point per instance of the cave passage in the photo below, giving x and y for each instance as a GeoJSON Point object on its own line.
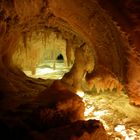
{"type": "Point", "coordinates": [92, 93]}
{"type": "Point", "coordinates": [110, 107]}
{"type": "Point", "coordinates": [60, 57]}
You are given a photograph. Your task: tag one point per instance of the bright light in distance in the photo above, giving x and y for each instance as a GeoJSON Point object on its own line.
{"type": "Point", "coordinates": [80, 93]}
{"type": "Point", "coordinates": [44, 71]}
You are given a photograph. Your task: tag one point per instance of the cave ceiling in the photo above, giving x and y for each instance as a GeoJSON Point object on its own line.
{"type": "Point", "coordinates": [126, 14]}
{"type": "Point", "coordinates": [82, 19]}
{"type": "Point", "coordinates": [32, 15]}
{"type": "Point", "coordinates": [20, 16]}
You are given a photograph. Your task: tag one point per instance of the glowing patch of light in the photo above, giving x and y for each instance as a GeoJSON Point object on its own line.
{"type": "Point", "coordinates": [100, 113]}
{"type": "Point", "coordinates": [89, 110]}
{"type": "Point", "coordinates": [119, 128]}
{"type": "Point", "coordinates": [44, 71]}
{"type": "Point", "coordinates": [91, 114]}
{"type": "Point", "coordinates": [80, 93]}
{"type": "Point", "coordinates": [128, 135]}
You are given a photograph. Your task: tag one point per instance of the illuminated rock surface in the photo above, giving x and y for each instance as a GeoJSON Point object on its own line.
{"type": "Point", "coordinates": [112, 108]}
{"type": "Point", "coordinates": [120, 119]}
{"type": "Point", "coordinates": [97, 39]}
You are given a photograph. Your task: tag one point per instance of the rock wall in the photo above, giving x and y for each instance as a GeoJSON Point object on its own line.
{"type": "Point", "coordinates": [126, 14]}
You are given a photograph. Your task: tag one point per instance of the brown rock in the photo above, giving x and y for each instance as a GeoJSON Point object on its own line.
{"type": "Point", "coordinates": [80, 130]}
{"type": "Point", "coordinates": [59, 106]}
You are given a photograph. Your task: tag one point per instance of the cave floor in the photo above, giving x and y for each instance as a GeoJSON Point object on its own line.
{"type": "Point", "coordinates": [120, 119]}
{"type": "Point", "coordinates": [46, 70]}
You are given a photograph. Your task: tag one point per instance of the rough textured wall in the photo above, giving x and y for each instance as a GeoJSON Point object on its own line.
{"type": "Point", "coordinates": [91, 22]}
{"type": "Point", "coordinates": [127, 15]}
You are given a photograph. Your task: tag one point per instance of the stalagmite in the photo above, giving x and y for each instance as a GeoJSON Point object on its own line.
{"type": "Point", "coordinates": [80, 67]}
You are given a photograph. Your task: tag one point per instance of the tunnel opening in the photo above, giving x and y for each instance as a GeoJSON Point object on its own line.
{"type": "Point", "coordinates": [60, 57]}
{"type": "Point", "coordinates": [39, 58]}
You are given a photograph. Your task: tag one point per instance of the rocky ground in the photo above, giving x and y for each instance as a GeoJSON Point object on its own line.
{"type": "Point", "coordinates": [120, 118]}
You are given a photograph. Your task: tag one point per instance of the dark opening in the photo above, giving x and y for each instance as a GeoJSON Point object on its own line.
{"type": "Point", "coordinates": [60, 57]}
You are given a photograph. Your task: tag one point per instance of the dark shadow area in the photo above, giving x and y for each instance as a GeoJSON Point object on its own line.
{"type": "Point", "coordinates": [60, 57]}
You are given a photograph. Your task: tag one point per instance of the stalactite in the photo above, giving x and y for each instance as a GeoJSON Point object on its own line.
{"type": "Point", "coordinates": [54, 57]}
{"type": "Point", "coordinates": [45, 39]}
{"type": "Point", "coordinates": [69, 52]}
{"type": "Point", "coordinates": [24, 38]}
{"type": "Point", "coordinates": [103, 79]}
{"type": "Point", "coordinates": [30, 36]}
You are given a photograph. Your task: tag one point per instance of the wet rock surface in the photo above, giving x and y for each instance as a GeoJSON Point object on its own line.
{"type": "Point", "coordinates": [120, 118]}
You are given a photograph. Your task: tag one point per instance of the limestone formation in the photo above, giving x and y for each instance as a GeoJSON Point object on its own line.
{"type": "Point", "coordinates": [100, 43]}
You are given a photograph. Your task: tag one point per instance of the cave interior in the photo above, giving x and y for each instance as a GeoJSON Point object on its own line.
{"type": "Point", "coordinates": [70, 69]}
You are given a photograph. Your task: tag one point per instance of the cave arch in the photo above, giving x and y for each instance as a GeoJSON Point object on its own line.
{"type": "Point", "coordinates": [87, 19]}
{"type": "Point", "coordinates": [103, 39]}
{"type": "Point", "coordinates": [99, 50]}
